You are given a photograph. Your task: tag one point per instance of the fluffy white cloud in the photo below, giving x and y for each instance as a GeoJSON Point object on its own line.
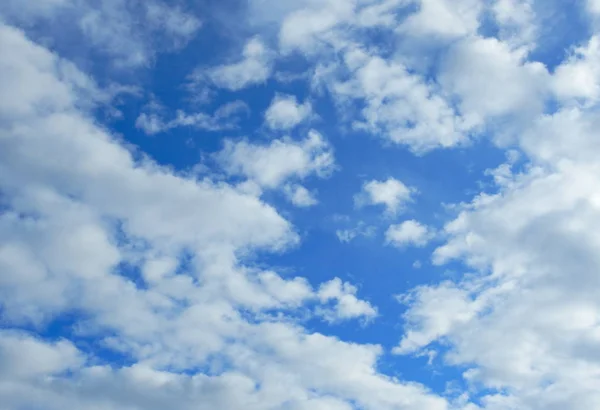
{"type": "Point", "coordinates": [443, 18]}
{"type": "Point", "coordinates": [477, 68]}
{"type": "Point", "coordinates": [398, 104]}
{"type": "Point", "coordinates": [407, 233]}
{"type": "Point", "coordinates": [300, 196]}
{"type": "Point", "coordinates": [346, 304]}
{"type": "Point", "coordinates": [579, 76]}
{"type": "Point", "coordinates": [285, 112]}
{"type": "Point", "coordinates": [24, 357]}
{"type": "Point", "coordinates": [517, 22]}
{"type": "Point", "coordinates": [391, 193]}
{"type": "Point", "coordinates": [255, 67]}
{"type": "Point", "coordinates": [271, 165]}
{"type": "Point", "coordinates": [311, 27]}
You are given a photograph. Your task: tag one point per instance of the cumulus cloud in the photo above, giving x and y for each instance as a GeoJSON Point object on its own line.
{"type": "Point", "coordinates": [254, 67]}
{"type": "Point", "coordinates": [272, 164]}
{"type": "Point", "coordinates": [309, 28]}
{"type": "Point", "coordinates": [346, 304]}
{"type": "Point", "coordinates": [285, 112]}
{"type": "Point", "coordinates": [300, 196]}
{"type": "Point", "coordinates": [24, 357]}
{"type": "Point", "coordinates": [519, 87]}
{"type": "Point", "coordinates": [408, 233]}
{"type": "Point", "coordinates": [443, 18]}
{"type": "Point", "coordinates": [391, 193]}
{"type": "Point", "coordinates": [579, 76]}
{"type": "Point", "coordinates": [399, 105]}
{"type": "Point", "coordinates": [517, 21]}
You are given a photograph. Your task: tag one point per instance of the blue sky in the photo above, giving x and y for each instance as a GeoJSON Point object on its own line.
{"type": "Point", "coordinates": [314, 204]}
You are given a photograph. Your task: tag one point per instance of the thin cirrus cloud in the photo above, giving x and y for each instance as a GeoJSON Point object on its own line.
{"type": "Point", "coordinates": [226, 117]}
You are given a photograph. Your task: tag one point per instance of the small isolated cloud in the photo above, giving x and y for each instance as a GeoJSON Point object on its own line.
{"type": "Point", "coordinates": [285, 112]}
{"type": "Point", "coordinates": [345, 303]}
{"type": "Point", "coordinates": [348, 235]}
{"type": "Point", "coordinates": [225, 117]}
{"type": "Point", "coordinates": [408, 233]}
{"type": "Point", "coordinates": [391, 193]}
{"type": "Point", "coordinates": [270, 165]}
{"type": "Point", "coordinates": [255, 67]}
{"type": "Point", "coordinates": [299, 196]}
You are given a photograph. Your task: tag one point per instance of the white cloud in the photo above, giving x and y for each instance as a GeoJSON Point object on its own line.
{"type": "Point", "coordinates": [399, 105]}
{"type": "Point", "coordinates": [443, 18]}
{"type": "Point", "coordinates": [408, 233]}
{"type": "Point", "coordinates": [348, 235]}
{"type": "Point", "coordinates": [346, 304]}
{"type": "Point", "coordinates": [129, 32]}
{"type": "Point", "coordinates": [300, 196]}
{"type": "Point", "coordinates": [225, 117]}
{"type": "Point", "coordinates": [255, 67]}
{"type": "Point", "coordinates": [433, 312]}
{"type": "Point", "coordinates": [317, 27]}
{"type": "Point", "coordinates": [273, 164]}
{"type": "Point", "coordinates": [24, 357]}
{"type": "Point", "coordinates": [533, 245]}
{"type": "Point", "coordinates": [579, 76]}
{"type": "Point", "coordinates": [309, 28]}
{"type": "Point", "coordinates": [477, 68]}
{"type": "Point", "coordinates": [517, 22]}
{"type": "Point", "coordinates": [285, 112]}
{"type": "Point", "coordinates": [391, 193]}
